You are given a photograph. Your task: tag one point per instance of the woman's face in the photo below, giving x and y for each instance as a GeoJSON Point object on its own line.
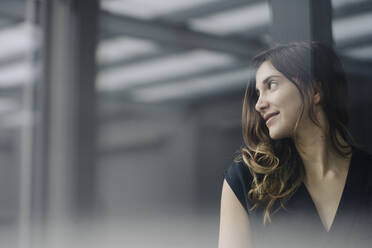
{"type": "Point", "coordinates": [279, 101]}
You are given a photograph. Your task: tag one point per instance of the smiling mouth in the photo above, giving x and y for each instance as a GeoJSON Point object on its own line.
{"type": "Point", "coordinates": [271, 117]}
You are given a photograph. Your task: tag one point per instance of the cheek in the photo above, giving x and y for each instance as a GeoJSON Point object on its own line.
{"type": "Point", "coordinates": [292, 109]}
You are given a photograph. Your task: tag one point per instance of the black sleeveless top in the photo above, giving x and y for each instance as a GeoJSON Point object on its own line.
{"type": "Point", "coordinates": [299, 225]}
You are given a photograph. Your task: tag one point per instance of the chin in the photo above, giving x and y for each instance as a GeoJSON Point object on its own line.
{"type": "Point", "coordinates": [275, 137]}
{"type": "Point", "coordinates": [277, 134]}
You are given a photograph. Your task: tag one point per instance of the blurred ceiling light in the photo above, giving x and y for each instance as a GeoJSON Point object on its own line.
{"type": "Point", "coordinates": [181, 64]}
{"type": "Point", "coordinates": [120, 48]}
{"type": "Point", "coordinates": [340, 3]}
{"type": "Point", "coordinates": [363, 53]}
{"type": "Point", "coordinates": [194, 88]}
{"type": "Point", "coordinates": [15, 41]}
{"type": "Point", "coordinates": [13, 117]}
{"type": "Point", "coordinates": [15, 74]}
{"type": "Point", "coordinates": [147, 9]}
{"type": "Point", "coordinates": [8, 104]}
{"type": "Point", "coordinates": [352, 27]}
{"type": "Point", "coordinates": [243, 18]}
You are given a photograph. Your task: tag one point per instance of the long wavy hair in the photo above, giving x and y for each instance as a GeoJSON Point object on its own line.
{"type": "Point", "coordinates": [275, 165]}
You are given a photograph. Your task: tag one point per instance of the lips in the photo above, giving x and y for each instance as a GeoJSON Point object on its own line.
{"type": "Point", "coordinates": [268, 116]}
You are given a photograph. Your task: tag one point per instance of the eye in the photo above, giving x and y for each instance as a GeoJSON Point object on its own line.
{"type": "Point", "coordinates": [272, 85]}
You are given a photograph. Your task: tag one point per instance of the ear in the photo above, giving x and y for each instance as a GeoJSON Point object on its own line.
{"type": "Point", "coordinates": [316, 98]}
{"type": "Point", "coordinates": [317, 93]}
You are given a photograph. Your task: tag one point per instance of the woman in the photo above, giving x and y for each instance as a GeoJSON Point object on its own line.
{"type": "Point", "coordinates": [299, 181]}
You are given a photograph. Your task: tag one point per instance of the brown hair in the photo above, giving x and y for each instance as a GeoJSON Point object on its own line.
{"type": "Point", "coordinates": [275, 165]}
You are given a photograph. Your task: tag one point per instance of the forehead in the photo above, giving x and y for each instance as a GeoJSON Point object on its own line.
{"type": "Point", "coordinates": [265, 70]}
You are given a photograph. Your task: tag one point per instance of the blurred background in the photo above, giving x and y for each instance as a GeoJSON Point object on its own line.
{"type": "Point", "coordinates": [119, 117]}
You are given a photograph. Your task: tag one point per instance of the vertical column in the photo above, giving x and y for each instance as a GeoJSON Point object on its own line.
{"type": "Point", "coordinates": [68, 116]}
{"type": "Point", "coordinates": [304, 20]}
{"type": "Point", "coordinates": [32, 202]}
{"type": "Point", "coordinates": [85, 117]}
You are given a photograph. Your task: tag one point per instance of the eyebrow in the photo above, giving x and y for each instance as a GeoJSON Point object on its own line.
{"type": "Point", "coordinates": [266, 80]}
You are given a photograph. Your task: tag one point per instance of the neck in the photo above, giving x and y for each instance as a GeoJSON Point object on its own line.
{"type": "Point", "coordinates": [319, 157]}
{"type": "Point", "coordinates": [316, 154]}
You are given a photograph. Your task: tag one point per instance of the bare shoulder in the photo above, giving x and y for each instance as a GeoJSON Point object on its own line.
{"type": "Point", "coordinates": [235, 229]}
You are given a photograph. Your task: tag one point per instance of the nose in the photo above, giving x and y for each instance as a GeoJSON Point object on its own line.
{"type": "Point", "coordinates": [261, 104]}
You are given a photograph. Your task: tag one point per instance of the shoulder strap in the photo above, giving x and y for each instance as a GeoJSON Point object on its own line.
{"type": "Point", "coordinates": [239, 178]}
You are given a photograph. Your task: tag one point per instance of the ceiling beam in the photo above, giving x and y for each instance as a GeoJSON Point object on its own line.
{"type": "Point", "coordinates": [351, 9]}
{"type": "Point", "coordinates": [167, 34]}
{"type": "Point", "coordinates": [206, 9]}
{"type": "Point", "coordinates": [161, 52]}
{"type": "Point", "coordinates": [358, 68]}
{"type": "Point", "coordinates": [210, 72]}
{"type": "Point", "coordinates": [354, 42]}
